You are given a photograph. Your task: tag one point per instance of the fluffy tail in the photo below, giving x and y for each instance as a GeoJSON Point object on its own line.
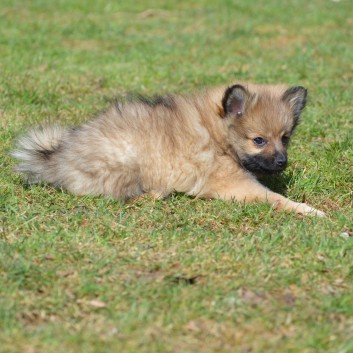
{"type": "Point", "coordinates": [35, 151]}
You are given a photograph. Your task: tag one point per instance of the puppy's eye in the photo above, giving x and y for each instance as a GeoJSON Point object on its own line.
{"type": "Point", "coordinates": [259, 141]}
{"type": "Point", "coordinates": [285, 140]}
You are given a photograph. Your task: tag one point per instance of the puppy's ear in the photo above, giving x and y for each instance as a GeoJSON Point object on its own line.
{"type": "Point", "coordinates": [295, 97]}
{"type": "Point", "coordinates": [235, 100]}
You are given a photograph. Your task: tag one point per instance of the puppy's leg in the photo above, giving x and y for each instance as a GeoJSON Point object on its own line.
{"type": "Point", "coordinates": [245, 188]}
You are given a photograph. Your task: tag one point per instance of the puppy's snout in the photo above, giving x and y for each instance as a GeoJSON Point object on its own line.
{"type": "Point", "coordinates": [281, 160]}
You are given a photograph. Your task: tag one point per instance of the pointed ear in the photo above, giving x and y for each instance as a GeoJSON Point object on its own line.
{"type": "Point", "coordinates": [296, 98]}
{"type": "Point", "coordinates": [235, 100]}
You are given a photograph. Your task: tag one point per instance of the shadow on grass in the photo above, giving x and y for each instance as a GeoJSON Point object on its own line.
{"type": "Point", "coordinates": [277, 183]}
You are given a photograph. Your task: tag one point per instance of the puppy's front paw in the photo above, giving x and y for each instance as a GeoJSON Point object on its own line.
{"type": "Point", "coordinates": [307, 210]}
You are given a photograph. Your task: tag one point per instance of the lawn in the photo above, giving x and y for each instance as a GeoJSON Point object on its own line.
{"type": "Point", "coordinates": [84, 274]}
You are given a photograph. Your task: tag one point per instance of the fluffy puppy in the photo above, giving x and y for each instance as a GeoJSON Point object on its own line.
{"type": "Point", "coordinates": [208, 145]}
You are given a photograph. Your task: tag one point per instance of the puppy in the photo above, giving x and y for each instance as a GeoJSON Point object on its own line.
{"type": "Point", "coordinates": [208, 145]}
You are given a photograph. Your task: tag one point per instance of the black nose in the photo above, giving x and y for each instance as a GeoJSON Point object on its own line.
{"type": "Point", "coordinates": [281, 160]}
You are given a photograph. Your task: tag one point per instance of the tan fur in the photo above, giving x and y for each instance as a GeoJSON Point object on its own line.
{"type": "Point", "coordinates": [185, 144]}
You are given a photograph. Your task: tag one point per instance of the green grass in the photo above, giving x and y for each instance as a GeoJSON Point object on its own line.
{"type": "Point", "coordinates": [81, 274]}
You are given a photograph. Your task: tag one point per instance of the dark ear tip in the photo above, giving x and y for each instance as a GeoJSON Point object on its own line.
{"type": "Point", "coordinates": [233, 100]}
{"type": "Point", "coordinates": [301, 88]}
{"type": "Point", "coordinates": [237, 85]}
{"type": "Point", "coordinates": [232, 88]}
{"type": "Point", "coordinates": [304, 91]}
{"type": "Point", "coordinates": [296, 91]}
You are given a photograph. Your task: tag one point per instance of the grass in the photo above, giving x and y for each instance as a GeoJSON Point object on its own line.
{"type": "Point", "coordinates": [81, 274]}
